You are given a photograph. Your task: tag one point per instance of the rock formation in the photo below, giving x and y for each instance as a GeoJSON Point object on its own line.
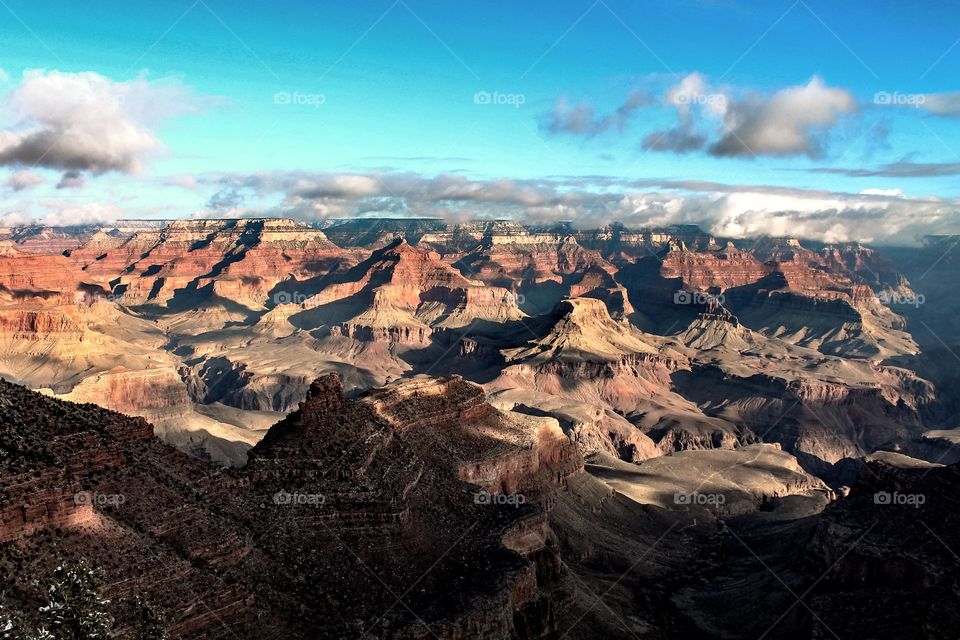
{"type": "Point", "coordinates": [343, 505]}
{"type": "Point", "coordinates": [401, 294]}
{"type": "Point", "coordinates": [212, 329]}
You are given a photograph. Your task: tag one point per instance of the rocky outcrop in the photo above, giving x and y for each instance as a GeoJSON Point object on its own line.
{"type": "Point", "coordinates": [42, 280]}
{"type": "Point", "coordinates": [592, 429]}
{"type": "Point", "coordinates": [401, 294]}
{"type": "Point", "coordinates": [507, 453]}
{"type": "Point", "coordinates": [583, 354]}
{"type": "Point", "coordinates": [37, 324]}
{"type": "Point", "coordinates": [46, 463]}
{"type": "Point", "coordinates": [582, 332]}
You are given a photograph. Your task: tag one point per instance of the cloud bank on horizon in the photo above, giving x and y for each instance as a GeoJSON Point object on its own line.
{"type": "Point", "coordinates": [767, 145]}
{"type": "Point", "coordinates": [875, 216]}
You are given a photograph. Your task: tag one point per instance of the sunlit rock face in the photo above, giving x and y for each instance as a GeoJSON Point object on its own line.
{"type": "Point", "coordinates": [213, 329]}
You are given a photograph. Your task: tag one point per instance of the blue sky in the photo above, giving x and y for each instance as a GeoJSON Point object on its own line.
{"type": "Point", "coordinates": [400, 87]}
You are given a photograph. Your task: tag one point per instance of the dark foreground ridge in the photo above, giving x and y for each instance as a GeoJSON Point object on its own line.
{"type": "Point", "coordinates": [418, 510]}
{"type": "Point", "coordinates": [350, 520]}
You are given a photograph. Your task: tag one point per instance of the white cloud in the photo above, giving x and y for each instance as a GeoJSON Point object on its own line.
{"type": "Point", "coordinates": [692, 91]}
{"type": "Point", "coordinates": [938, 104]}
{"type": "Point", "coordinates": [70, 213]}
{"type": "Point", "coordinates": [582, 119]}
{"type": "Point", "coordinates": [792, 121]}
{"type": "Point", "coordinates": [688, 97]}
{"type": "Point", "coordinates": [726, 121]}
{"type": "Point", "coordinates": [87, 122]}
{"type": "Point", "coordinates": [58, 213]}
{"type": "Point", "coordinates": [337, 186]}
{"type": "Point", "coordinates": [23, 179]}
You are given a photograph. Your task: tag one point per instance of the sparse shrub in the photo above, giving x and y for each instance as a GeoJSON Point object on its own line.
{"type": "Point", "coordinates": [75, 610]}
{"type": "Point", "coordinates": [152, 624]}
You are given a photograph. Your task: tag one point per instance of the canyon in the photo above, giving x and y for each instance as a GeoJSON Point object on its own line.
{"type": "Point", "coordinates": [214, 329]}
{"type": "Point", "coordinates": [300, 418]}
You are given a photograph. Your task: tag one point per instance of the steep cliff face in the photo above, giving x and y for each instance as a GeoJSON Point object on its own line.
{"type": "Point", "coordinates": [47, 343]}
{"type": "Point", "coordinates": [580, 330]}
{"type": "Point", "coordinates": [580, 357]}
{"type": "Point", "coordinates": [401, 294]}
{"type": "Point", "coordinates": [597, 282]}
{"type": "Point", "coordinates": [581, 353]}
{"type": "Point", "coordinates": [502, 453]}
{"type": "Point", "coordinates": [243, 261]}
{"type": "Point", "coordinates": [593, 429]}
{"type": "Point", "coordinates": [703, 388]}
{"type": "Point", "coordinates": [462, 238]}
{"type": "Point", "coordinates": [48, 451]}
{"type": "Point", "coordinates": [41, 279]}
{"type": "Point", "coordinates": [80, 481]}
{"type": "Point", "coordinates": [542, 266]}
{"type": "Point", "coordinates": [866, 265]}
{"type": "Point", "coordinates": [845, 320]}
{"type": "Point", "coordinates": [64, 334]}
{"type": "Point", "coordinates": [778, 288]}
{"type": "Point", "coordinates": [424, 465]}
{"type": "Point", "coordinates": [712, 270]}
{"type": "Point", "coordinates": [111, 252]}
{"type": "Point", "coordinates": [281, 262]}
{"type": "Point", "coordinates": [40, 323]}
